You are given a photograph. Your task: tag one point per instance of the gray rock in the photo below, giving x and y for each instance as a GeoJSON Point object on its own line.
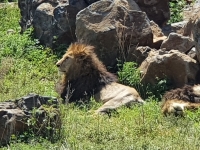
{"type": "Point", "coordinates": [15, 116]}
{"type": "Point", "coordinates": [52, 20]}
{"type": "Point", "coordinates": [196, 37]}
{"type": "Point", "coordinates": [139, 54]}
{"type": "Point", "coordinates": [156, 10]}
{"type": "Point", "coordinates": [177, 42]}
{"type": "Point", "coordinates": [112, 27]}
{"type": "Point", "coordinates": [11, 122]}
{"type": "Point", "coordinates": [173, 65]}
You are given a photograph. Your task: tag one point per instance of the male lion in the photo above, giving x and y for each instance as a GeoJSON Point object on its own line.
{"type": "Point", "coordinates": [84, 75]}
{"type": "Point", "coordinates": [177, 100]}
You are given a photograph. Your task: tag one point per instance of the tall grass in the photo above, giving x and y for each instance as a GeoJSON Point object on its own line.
{"type": "Point", "coordinates": [25, 66]}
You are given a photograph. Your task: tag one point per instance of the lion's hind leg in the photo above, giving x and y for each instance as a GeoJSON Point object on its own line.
{"type": "Point", "coordinates": [109, 107]}
{"type": "Point", "coordinates": [117, 102]}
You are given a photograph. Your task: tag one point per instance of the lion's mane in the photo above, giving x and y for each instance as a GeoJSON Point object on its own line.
{"type": "Point", "coordinates": [185, 93]}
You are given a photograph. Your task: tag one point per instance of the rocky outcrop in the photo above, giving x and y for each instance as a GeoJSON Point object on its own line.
{"type": "Point", "coordinates": [196, 37]}
{"type": "Point", "coordinates": [119, 29]}
{"type": "Point", "coordinates": [139, 54]}
{"type": "Point", "coordinates": [190, 15]}
{"type": "Point", "coordinates": [16, 116]}
{"type": "Point", "coordinates": [58, 16]}
{"type": "Point", "coordinates": [11, 121]}
{"type": "Point", "coordinates": [177, 42]}
{"type": "Point", "coordinates": [173, 65]}
{"type": "Point", "coordinates": [158, 36]}
{"type": "Point", "coordinates": [52, 20]}
{"type": "Point", "coordinates": [113, 27]}
{"type": "Point", "coordinates": [156, 10]}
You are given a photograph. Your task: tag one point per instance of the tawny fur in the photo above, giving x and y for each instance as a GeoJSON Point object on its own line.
{"type": "Point", "coordinates": [177, 100]}
{"type": "Point", "coordinates": [84, 75]}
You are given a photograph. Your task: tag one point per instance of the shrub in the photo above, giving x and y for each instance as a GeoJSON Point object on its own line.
{"type": "Point", "coordinates": [130, 75]}
{"type": "Point", "coordinates": [176, 10]}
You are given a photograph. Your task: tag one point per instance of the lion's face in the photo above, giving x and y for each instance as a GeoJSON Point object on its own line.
{"type": "Point", "coordinates": [72, 61]}
{"type": "Point", "coordinates": [65, 63]}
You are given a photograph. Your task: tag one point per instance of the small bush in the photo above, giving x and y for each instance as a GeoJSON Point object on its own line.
{"type": "Point", "coordinates": [176, 10]}
{"type": "Point", "coordinates": [130, 75]}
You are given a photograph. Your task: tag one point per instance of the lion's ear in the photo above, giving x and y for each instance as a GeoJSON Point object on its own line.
{"type": "Point", "coordinates": [82, 56]}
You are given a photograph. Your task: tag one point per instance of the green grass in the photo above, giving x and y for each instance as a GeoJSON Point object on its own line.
{"type": "Point", "coordinates": [138, 128]}
{"type": "Point", "coordinates": [176, 10]}
{"type": "Point", "coordinates": [27, 67]}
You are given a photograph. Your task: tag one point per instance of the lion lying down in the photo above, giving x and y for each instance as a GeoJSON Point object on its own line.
{"type": "Point", "coordinates": [180, 99]}
{"type": "Point", "coordinates": [84, 75]}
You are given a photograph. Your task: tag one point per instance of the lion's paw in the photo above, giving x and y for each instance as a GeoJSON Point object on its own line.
{"type": "Point", "coordinates": [177, 108]}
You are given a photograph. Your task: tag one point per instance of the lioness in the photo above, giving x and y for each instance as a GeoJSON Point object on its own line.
{"type": "Point", "coordinates": [180, 99]}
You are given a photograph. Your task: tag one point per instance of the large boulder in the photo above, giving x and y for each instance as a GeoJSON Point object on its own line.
{"type": "Point", "coordinates": [42, 23]}
{"type": "Point", "coordinates": [177, 42]}
{"type": "Point", "coordinates": [11, 121]}
{"type": "Point", "coordinates": [156, 10]}
{"type": "Point", "coordinates": [177, 27]}
{"type": "Point", "coordinates": [53, 21]}
{"type": "Point", "coordinates": [16, 116]}
{"type": "Point", "coordinates": [173, 65]}
{"type": "Point", "coordinates": [113, 27]}
{"type": "Point", "coordinates": [191, 14]}
{"type": "Point", "coordinates": [196, 37]}
{"type": "Point", "coordinates": [50, 22]}
{"type": "Point", "coordinates": [192, 28]}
